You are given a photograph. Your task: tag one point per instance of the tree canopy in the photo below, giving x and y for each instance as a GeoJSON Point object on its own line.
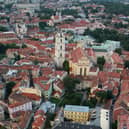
{"type": "Point", "coordinates": [91, 103]}
{"type": "Point", "coordinates": [3, 29]}
{"type": "Point", "coordinates": [100, 62]}
{"type": "Point", "coordinates": [104, 95]}
{"type": "Point", "coordinates": [72, 12]}
{"type": "Point", "coordinates": [42, 25]}
{"type": "Point", "coordinates": [70, 83]}
{"type": "Point", "coordinates": [3, 47]}
{"type": "Point", "coordinates": [118, 50]}
{"type": "Point", "coordinates": [126, 64]}
{"type": "Point", "coordinates": [46, 13]}
{"type": "Point", "coordinates": [102, 35]}
{"type": "Point", "coordinates": [116, 8]}
{"type": "Point", "coordinates": [9, 87]}
{"type": "Point", "coordinates": [66, 66]}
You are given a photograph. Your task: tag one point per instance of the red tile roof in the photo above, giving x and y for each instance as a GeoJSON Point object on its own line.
{"type": "Point", "coordinates": [39, 122]}
{"type": "Point", "coordinates": [114, 75]}
{"type": "Point", "coordinates": [125, 86]}
{"type": "Point", "coordinates": [117, 59]}
{"type": "Point", "coordinates": [32, 96]}
{"type": "Point", "coordinates": [90, 52]}
{"type": "Point", "coordinates": [123, 121]}
{"type": "Point", "coordinates": [39, 112]}
{"type": "Point", "coordinates": [77, 54]}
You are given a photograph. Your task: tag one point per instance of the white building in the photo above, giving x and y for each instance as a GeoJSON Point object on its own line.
{"type": "Point", "coordinates": [59, 49]}
{"type": "Point", "coordinates": [100, 117]}
{"type": "Point", "coordinates": [47, 107]}
{"type": "Point", "coordinates": [104, 119]}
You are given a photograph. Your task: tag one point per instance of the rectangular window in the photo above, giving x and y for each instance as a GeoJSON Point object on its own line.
{"type": "Point", "coordinates": [85, 72]}
{"type": "Point", "coordinates": [61, 47]}
{"type": "Point", "coordinates": [80, 71]}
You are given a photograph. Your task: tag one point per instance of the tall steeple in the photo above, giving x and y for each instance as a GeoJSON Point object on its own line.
{"type": "Point", "coordinates": [59, 49]}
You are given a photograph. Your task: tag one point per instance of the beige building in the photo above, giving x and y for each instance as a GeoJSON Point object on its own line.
{"type": "Point", "coordinates": [79, 62]}
{"type": "Point", "coordinates": [76, 113]}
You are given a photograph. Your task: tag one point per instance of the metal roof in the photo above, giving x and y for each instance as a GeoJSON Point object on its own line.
{"type": "Point", "coordinates": [74, 108]}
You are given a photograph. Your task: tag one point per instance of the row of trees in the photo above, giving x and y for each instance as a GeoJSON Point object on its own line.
{"type": "Point", "coordinates": [46, 13]}
{"type": "Point", "coordinates": [72, 12]}
{"type": "Point", "coordinates": [116, 8]}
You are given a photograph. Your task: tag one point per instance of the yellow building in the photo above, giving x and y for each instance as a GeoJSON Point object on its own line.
{"type": "Point", "coordinates": [79, 62]}
{"type": "Point", "coordinates": [76, 113]}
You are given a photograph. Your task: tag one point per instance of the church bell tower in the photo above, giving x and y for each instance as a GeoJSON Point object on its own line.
{"type": "Point", "coordinates": [59, 49]}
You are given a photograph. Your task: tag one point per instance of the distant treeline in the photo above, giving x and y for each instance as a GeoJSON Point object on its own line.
{"type": "Point", "coordinates": [114, 6]}
{"type": "Point", "coordinates": [102, 35]}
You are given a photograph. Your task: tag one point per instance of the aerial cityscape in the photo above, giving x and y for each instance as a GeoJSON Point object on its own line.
{"type": "Point", "coordinates": [64, 64]}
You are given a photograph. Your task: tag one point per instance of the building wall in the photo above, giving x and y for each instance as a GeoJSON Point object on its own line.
{"type": "Point", "coordinates": [77, 116]}
{"type": "Point", "coordinates": [24, 107]}
{"type": "Point", "coordinates": [59, 49]}
{"type": "Point", "coordinates": [105, 119]}
{"type": "Point", "coordinates": [80, 68]}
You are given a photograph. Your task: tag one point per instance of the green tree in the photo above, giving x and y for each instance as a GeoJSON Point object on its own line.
{"type": "Point", "coordinates": [116, 8]}
{"type": "Point", "coordinates": [17, 57]}
{"type": "Point", "coordinates": [126, 64]}
{"type": "Point", "coordinates": [72, 98]}
{"type": "Point", "coordinates": [118, 50]}
{"type": "Point", "coordinates": [72, 12]}
{"type": "Point", "coordinates": [9, 87]}
{"type": "Point", "coordinates": [54, 100]}
{"type": "Point", "coordinates": [114, 125]}
{"type": "Point", "coordinates": [42, 25]}
{"type": "Point", "coordinates": [24, 45]}
{"type": "Point", "coordinates": [109, 94]}
{"type": "Point", "coordinates": [100, 62]}
{"type": "Point", "coordinates": [2, 28]}
{"type": "Point", "coordinates": [4, 47]}
{"type": "Point", "coordinates": [1, 127]}
{"type": "Point", "coordinates": [70, 83]}
{"type": "Point", "coordinates": [66, 66]}
{"type": "Point", "coordinates": [91, 103]}
{"type": "Point", "coordinates": [36, 62]}
{"type": "Point", "coordinates": [8, 6]}
{"type": "Point", "coordinates": [102, 95]}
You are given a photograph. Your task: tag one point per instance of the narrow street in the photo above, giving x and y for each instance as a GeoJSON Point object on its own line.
{"type": "Point", "coordinates": [113, 102]}
{"type": "Point", "coordinates": [84, 97]}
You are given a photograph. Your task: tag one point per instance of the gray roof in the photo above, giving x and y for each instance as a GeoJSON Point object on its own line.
{"type": "Point", "coordinates": [75, 108]}
{"type": "Point", "coordinates": [68, 125]}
